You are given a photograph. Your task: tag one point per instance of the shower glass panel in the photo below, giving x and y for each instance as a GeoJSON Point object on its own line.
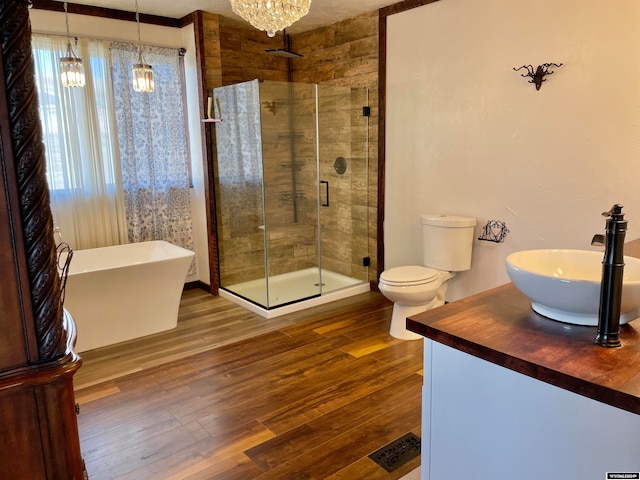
{"type": "Point", "coordinates": [238, 189]}
{"type": "Point", "coordinates": [291, 190]}
{"type": "Point", "coordinates": [343, 179]}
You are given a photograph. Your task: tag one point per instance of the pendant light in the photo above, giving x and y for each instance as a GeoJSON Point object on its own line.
{"type": "Point", "coordinates": [142, 71]}
{"type": "Point", "coordinates": [271, 15]}
{"type": "Point", "coordinates": [71, 67]}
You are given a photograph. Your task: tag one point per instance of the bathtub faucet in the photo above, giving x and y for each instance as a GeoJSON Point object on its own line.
{"type": "Point", "coordinates": [612, 272]}
{"type": "Point", "coordinates": [57, 232]}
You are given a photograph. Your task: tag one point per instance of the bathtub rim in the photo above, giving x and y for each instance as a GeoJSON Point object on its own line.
{"type": "Point", "coordinates": [177, 251]}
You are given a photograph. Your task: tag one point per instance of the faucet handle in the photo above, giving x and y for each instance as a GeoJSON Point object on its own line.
{"type": "Point", "coordinates": [615, 212]}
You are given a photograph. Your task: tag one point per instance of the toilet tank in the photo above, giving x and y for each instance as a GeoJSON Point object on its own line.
{"type": "Point", "coordinates": [447, 241]}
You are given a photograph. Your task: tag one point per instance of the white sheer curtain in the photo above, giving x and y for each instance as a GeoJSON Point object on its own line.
{"type": "Point", "coordinates": [153, 148]}
{"type": "Point", "coordinates": [81, 145]}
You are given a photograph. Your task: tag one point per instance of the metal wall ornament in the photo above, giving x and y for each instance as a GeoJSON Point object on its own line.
{"type": "Point", "coordinates": [494, 231]}
{"type": "Point", "coordinates": [537, 75]}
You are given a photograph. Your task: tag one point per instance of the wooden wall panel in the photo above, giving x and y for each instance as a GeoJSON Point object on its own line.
{"type": "Point", "coordinates": [211, 45]}
{"type": "Point", "coordinates": [243, 54]}
{"type": "Point", "coordinates": [346, 54]}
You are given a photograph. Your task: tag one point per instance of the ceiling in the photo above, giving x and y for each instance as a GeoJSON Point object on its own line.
{"type": "Point", "coordinates": [322, 12]}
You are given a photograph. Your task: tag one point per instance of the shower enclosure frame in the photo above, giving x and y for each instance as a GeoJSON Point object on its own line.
{"type": "Point", "coordinates": [308, 118]}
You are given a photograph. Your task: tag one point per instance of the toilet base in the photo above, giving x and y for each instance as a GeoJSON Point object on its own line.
{"type": "Point", "coordinates": [399, 316]}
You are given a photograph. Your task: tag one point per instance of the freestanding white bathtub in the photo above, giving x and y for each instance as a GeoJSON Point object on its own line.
{"type": "Point", "coordinates": [125, 291]}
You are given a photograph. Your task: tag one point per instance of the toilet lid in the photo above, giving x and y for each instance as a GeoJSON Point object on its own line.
{"type": "Point", "coordinates": [408, 275]}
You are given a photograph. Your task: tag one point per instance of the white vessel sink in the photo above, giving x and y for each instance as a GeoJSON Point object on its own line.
{"type": "Point", "coordinates": [565, 284]}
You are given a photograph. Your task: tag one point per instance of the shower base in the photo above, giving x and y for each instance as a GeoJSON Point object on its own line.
{"type": "Point", "coordinates": [286, 290]}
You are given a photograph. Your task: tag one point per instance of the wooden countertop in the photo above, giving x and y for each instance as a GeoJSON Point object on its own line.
{"type": "Point", "coordinates": [499, 326]}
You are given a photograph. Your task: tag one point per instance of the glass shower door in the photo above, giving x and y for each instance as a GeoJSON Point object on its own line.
{"type": "Point", "coordinates": [343, 186]}
{"type": "Point", "coordinates": [291, 178]}
{"type": "Point", "coordinates": [289, 149]}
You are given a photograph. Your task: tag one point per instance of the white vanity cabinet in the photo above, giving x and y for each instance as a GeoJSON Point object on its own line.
{"type": "Point", "coordinates": [510, 394]}
{"type": "Point", "coordinates": [482, 421]}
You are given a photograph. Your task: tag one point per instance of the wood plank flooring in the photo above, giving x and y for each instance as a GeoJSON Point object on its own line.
{"type": "Point", "coordinates": [231, 395]}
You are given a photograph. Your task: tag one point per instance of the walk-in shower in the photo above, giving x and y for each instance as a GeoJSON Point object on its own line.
{"type": "Point", "coordinates": [291, 181]}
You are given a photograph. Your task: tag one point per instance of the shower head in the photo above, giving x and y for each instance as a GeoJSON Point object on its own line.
{"type": "Point", "coordinates": [285, 51]}
{"type": "Point", "coordinates": [281, 52]}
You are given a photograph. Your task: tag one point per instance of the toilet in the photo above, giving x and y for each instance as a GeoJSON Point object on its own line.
{"type": "Point", "coordinates": [447, 241]}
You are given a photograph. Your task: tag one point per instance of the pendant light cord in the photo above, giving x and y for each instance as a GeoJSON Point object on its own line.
{"type": "Point", "coordinates": [71, 67]}
{"type": "Point", "coordinates": [70, 51]}
{"type": "Point", "coordinates": [139, 41]}
{"type": "Point", "coordinates": [66, 20]}
{"type": "Point", "coordinates": [142, 73]}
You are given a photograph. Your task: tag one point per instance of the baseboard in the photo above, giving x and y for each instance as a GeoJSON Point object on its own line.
{"type": "Point", "coordinates": [197, 284]}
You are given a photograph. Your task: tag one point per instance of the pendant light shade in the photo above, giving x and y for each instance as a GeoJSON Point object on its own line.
{"type": "Point", "coordinates": [271, 15]}
{"type": "Point", "coordinates": [142, 76]}
{"type": "Point", "coordinates": [71, 70]}
{"type": "Point", "coordinates": [71, 67]}
{"type": "Point", "coordinates": [142, 72]}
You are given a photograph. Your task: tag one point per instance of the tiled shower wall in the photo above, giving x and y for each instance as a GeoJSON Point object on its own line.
{"type": "Point", "coordinates": [291, 176]}
{"type": "Point", "coordinates": [289, 172]}
{"type": "Point", "coordinates": [344, 54]}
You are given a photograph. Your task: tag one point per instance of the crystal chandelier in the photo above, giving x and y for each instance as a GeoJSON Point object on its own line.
{"type": "Point", "coordinates": [142, 71]}
{"type": "Point", "coordinates": [271, 15]}
{"type": "Point", "coordinates": [71, 67]}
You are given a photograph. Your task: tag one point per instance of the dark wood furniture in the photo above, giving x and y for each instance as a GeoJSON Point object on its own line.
{"type": "Point", "coordinates": [39, 438]}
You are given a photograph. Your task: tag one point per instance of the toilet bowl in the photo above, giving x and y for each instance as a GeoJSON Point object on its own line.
{"type": "Point", "coordinates": [412, 289]}
{"type": "Point", "coordinates": [447, 242]}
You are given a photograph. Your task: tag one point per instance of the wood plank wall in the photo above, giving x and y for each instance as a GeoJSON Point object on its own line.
{"type": "Point", "coordinates": [346, 54]}
{"type": "Point", "coordinates": [243, 54]}
{"type": "Point", "coordinates": [343, 54]}
{"type": "Point", "coordinates": [236, 53]}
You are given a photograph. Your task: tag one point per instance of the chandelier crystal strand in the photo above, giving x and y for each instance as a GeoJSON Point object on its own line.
{"type": "Point", "coordinates": [271, 16]}
{"type": "Point", "coordinates": [142, 71]}
{"type": "Point", "coordinates": [71, 67]}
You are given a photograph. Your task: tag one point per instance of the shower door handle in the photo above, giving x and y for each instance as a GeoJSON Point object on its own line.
{"type": "Point", "coordinates": [326, 184]}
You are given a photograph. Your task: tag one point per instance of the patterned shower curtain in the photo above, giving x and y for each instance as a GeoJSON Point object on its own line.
{"type": "Point", "coordinates": [153, 147]}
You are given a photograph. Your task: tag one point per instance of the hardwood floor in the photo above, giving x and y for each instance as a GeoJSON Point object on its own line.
{"type": "Point", "coordinates": [231, 395]}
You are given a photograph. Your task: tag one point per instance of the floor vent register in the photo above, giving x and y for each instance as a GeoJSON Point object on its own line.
{"type": "Point", "coordinates": [397, 453]}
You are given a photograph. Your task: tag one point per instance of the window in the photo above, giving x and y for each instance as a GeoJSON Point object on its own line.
{"type": "Point", "coordinates": [78, 126]}
{"type": "Point", "coordinates": [97, 136]}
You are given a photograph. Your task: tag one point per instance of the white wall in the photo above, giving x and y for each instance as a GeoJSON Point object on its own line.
{"type": "Point", "coordinates": [467, 135]}
{"type": "Point", "coordinates": [199, 213]}
{"type": "Point", "coordinates": [43, 21]}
